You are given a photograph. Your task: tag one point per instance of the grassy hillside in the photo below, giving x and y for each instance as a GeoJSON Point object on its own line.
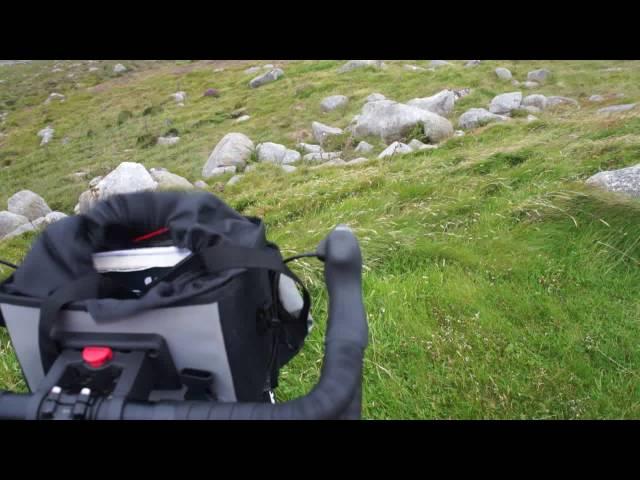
{"type": "Point", "coordinates": [497, 285]}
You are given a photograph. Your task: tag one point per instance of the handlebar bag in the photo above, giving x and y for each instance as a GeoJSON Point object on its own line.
{"type": "Point", "coordinates": [229, 306]}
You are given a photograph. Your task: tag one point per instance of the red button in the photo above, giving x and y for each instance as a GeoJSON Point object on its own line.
{"type": "Point", "coordinates": [96, 356]}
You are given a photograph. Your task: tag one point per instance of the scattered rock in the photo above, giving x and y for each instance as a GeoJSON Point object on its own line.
{"type": "Point", "coordinates": [53, 217]}
{"type": "Point", "coordinates": [233, 180]}
{"type": "Point", "coordinates": [217, 171]}
{"type": "Point", "coordinates": [616, 108]}
{"type": "Point", "coordinates": [332, 163]}
{"type": "Point", "coordinates": [270, 76]}
{"type": "Point", "coordinates": [334, 101]}
{"type": "Point", "coordinates": [46, 134]}
{"type": "Point", "coordinates": [276, 153]}
{"type": "Point", "coordinates": [472, 63]}
{"type": "Point", "coordinates": [624, 180]}
{"type": "Point", "coordinates": [233, 150]}
{"type": "Point", "coordinates": [392, 121]}
{"type": "Point", "coordinates": [602, 98]}
{"type": "Point", "coordinates": [364, 147]}
{"type": "Point", "coordinates": [458, 133]}
{"type": "Point", "coordinates": [461, 92]}
{"type": "Point", "coordinates": [242, 118]}
{"type": "Point", "coordinates": [201, 184]}
{"type": "Point", "coordinates": [503, 73]}
{"type": "Point", "coordinates": [119, 68]}
{"type": "Point", "coordinates": [309, 148]}
{"type": "Point", "coordinates": [439, 64]}
{"type": "Point", "coordinates": [416, 144]}
{"type": "Point", "coordinates": [128, 177]}
{"type": "Point", "coordinates": [238, 113]}
{"type": "Point", "coordinates": [10, 221]}
{"type": "Point", "coordinates": [357, 161]}
{"type": "Point", "coordinates": [28, 204]}
{"type": "Point", "coordinates": [374, 97]}
{"type": "Point", "coordinates": [535, 100]}
{"type": "Point", "coordinates": [478, 117]}
{"type": "Point", "coordinates": [218, 70]}
{"type": "Point", "coordinates": [321, 132]}
{"type": "Point", "coordinates": [57, 70]}
{"type": "Point", "coordinates": [288, 168]}
{"type": "Point", "coordinates": [414, 68]}
{"type": "Point", "coordinates": [26, 227]}
{"type": "Point", "coordinates": [93, 69]}
{"type": "Point", "coordinates": [530, 84]}
{"type": "Point", "coordinates": [169, 181]}
{"type": "Point", "coordinates": [440, 103]}
{"type": "Point", "coordinates": [321, 156]}
{"type": "Point", "coordinates": [531, 118]}
{"type": "Point", "coordinates": [505, 102]}
{"type": "Point", "coordinates": [54, 96]}
{"type": "Point", "coordinates": [541, 75]}
{"type": "Point", "coordinates": [211, 92]}
{"type": "Point", "coordinates": [179, 97]}
{"type": "Point", "coordinates": [554, 101]}
{"type": "Point", "coordinates": [396, 148]}
{"type": "Point", "coordinates": [515, 83]}
{"type": "Point", "coordinates": [353, 64]}
{"type": "Point", "coordinates": [252, 70]}
{"type": "Point", "coordinates": [168, 140]}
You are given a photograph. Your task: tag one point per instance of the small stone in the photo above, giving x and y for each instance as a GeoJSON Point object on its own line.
{"type": "Point", "coordinates": [505, 103]}
{"type": "Point", "coordinates": [472, 63]}
{"type": "Point", "coordinates": [54, 96]}
{"type": "Point", "coordinates": [168, 140]}
{"type": "Point", "coordinates": [119, 68]}
{"type": "Point", "coordinates": [242, 118]}
{"type": "Point", "coordinates": [211, 92]}
{"type": "Point", "coordinates": [321, 132]}
{"type": "Point", "coordinates": [217, 171]}
{"type": "Point", "coordinates": [333, 102]}
{"type": "Point", "coordinates": [364, 147]}
{"type": "Point", "coordinates": [531, 118]}
{"type": "Point", "coordinates": [233, 180]}
{"type": "Point", "coordinates": [270, 76]}
{"type": "Point", "coordinates": [617, 108]}
{"type": "Point", "coordinates": [288, 168]}
{"type": "Point", "coordinates": [10, 221]}
{"type": "Point", "coordinates": [321, 156]}
{"type": "Point", "coordinates": [179, 97]}
{"type": "Point", "coordinates": [439, 64]}
{"type": "Point", "coordinates": [374, 97]}
{"type": "Point", "coordinates": [503, 73]}
{"type": "Point", "coordinates": [396, 148]}
{"type": "Point", "coordinates": [309, 148]}
{"type": "Point", "coordinates": [355, 64]}
{"type": "Point", "coordinates": [28, 204]}
{"type": "Point", "coordinates": [357, 161]}
{"type": "Point", "coordinates": [541, 75]}
{"type": "Point", "coordinates": [530, 84]}
{"type": "Point", "coordinates": [46, 134]}
{"type": "Point", "coordinates": [201, 184]}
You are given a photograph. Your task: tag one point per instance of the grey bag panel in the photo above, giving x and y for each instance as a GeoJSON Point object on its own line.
{"type": "Point", "coordinates": [292, 299]}
{"type": "Point", "coordinates": [193, 335]}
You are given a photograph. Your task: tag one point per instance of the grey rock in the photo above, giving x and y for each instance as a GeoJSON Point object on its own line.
{"type": "Point", "coordinates": [624, 180]}
{"type": "Point", "coordinates": [217, 171]}
{"type": "Point", "coordinates": [414, 68]}
{"type": "Point", "coordinates": [555, 101]}
{"type": "Point", "coordinates": [503, 73]}
{"type": "Point", "coordinates": [357, 161]}
{"type": "Point", "coordinates": [168, 140]}
{"type": "Point", "coordinates": [85, 202]}
{"type": "Point", "coordinates": [505, 102]}
{"type": "Point", "coordinates": [128, 177]}
{"type": "Point", "coordinates": [392, 121]}
{"type": "Point", "coordinates": [233, 150]}
{"type": "Point", "coordinates": [331, 163]}
{"type": "Point", "coordinates": [201, 184]}
{"type": "Point", "coordinates": [53, 217]}
{"type": "Point", "coordinates": [332, 102]}
{"type": "Point", "coordinates": [535, 100]}
{"type": "Point", "coordinates": [531, 118]}
{"type": "Point", "coordinates": [363, 147]}
{"type": "Point", "coordinates": [252, 70]}
{"type": "Point", "coordinates": [617, 108]}
{"type": "Point", "coordinates": [242, 118]}
{"type": "Point", "coordinates": [321, 157]}
{"type": "Point", "coordinates": [179, 97]}
{"type": "Point", "coordinates": [119, 68]}
{"type": "Point", "coordinates": [530, 109]}
{"type": "Point", "coordinates": [233, 180]}
{"type": "Point", "coordinates": [472, 63]}
{"type": "Point", "coordinates": [288, 168]}
{"type": "Point", "coordinates": [530, 84]}
{"type": "Point", "coordinates": [321, 132]}
{"type": "Point", "coordinates": [602, 98]}
{"type": "Point", "coordinates": [396, 148]}
{"type": "Point", "coordinates": [374, 97]}
{"type": "Point", "coordinates": [28, 204]}
{"type": "Point", "coordinates": [270, 76]}
{"type": "Point", "coordinates": [458, 133]}
{"type": "Point", "coordinates": [93, 69]}
{"type": "Point", "coordinates": [354, 64]}
{"type": "Point", "coordinates": [515, 83]}
{"type": "Point", "coordinates": [440, 103]}
{"type": "Point", "coordinates": [309, 148]}
{"type": "Point", "coordinates": [27, 227]}
{"type": "Point", "coordinates": [54, 96]}
{"type": "Point", "coordinates": [10, 221]}
{"type": "Point", "coordinates": [541, 75]}
{"type": "Point", "coordinates": [461, 92]}
{"type": "Point", "coordinates": [416, 145]}
{"type": "Point", "coordinates": [477, 117]}
{"type": "Point", "coordinates": [46, 134]}
{"type": "Point", "coordinates": [170, 181]}
{"type": "Point", "coordinates": [275, 153]}
{"type": "Point", "coordinates": [439, 63]}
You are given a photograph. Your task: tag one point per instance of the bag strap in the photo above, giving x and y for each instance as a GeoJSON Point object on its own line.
{"type": "Point", "coordinates": [214, 259]}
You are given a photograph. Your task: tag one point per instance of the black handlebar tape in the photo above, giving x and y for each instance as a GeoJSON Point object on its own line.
{"type": "Point", "coordinates": [338, 392]}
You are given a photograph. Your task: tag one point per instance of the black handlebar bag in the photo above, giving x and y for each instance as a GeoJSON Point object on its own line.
{"type": "Point", "coordinates": [230, 307]}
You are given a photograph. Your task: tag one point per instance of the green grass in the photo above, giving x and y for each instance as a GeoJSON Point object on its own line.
{"type": "Point", "coordinates": [496, 284]}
